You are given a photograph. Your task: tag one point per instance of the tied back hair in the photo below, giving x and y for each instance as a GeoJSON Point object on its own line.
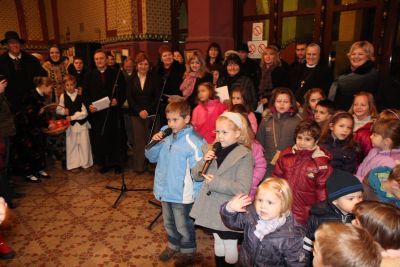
{"type": "Point", "coordinates": [326, 130]}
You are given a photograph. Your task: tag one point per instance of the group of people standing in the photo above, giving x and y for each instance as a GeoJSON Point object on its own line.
{"type": "Point", "coordinates": [283, 121]}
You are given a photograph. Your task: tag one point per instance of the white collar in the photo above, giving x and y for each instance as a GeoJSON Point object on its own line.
{"type": "Point", "coordinates": [39, 92]}
{"type": "Point", "coordinates": [311, 66]}
{"type": "Point", "coordinates": [14, 57]}
{"type": "Point", "coordinates": [73, 94]}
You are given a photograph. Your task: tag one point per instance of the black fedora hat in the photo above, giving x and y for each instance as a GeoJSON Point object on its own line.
{"type": "Point", "coordinates": [11, 35]}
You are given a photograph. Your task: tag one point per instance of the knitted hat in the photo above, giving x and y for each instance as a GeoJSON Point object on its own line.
{"type": "Point", "coordinates": [342, 183]}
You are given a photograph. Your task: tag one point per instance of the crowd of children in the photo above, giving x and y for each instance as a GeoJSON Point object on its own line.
{"type": "Point", "coordinates": [308, 185]}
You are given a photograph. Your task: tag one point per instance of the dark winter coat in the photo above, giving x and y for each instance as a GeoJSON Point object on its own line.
{"type": "Point", "coordinates": [364, 78]}
{"type": "Point", "coordinates": [344, 156]}
{"type": "Point", "coordinates": [7, 126]}
{"type": "Point", "coordinates": [145, 99]}
{"type": "Point", "coordinates": [20, 84]}
{"type": "Point", "coordinates": [279, 78]}
{"type": "Point", "coordinates": [251, 69]}
{"type": "Point", "coordinates": [306, 78]}
{"type": "Point", "coordinates": [173, 78]}
{"type": "Point", "coordinates": [242, 81]}
{"type": "Point", "coordinates": [285, 125]}
{"type": "Point", "coordinates": [321, 213]}
{"type": "Point", "coordinates": [78, 76]}
{"type": "Point", "coordinates": [104, 145]}
{"type": "Point", "coordinates": [306, 172]}
{"type": "Point", "coordinates": [280, 248]}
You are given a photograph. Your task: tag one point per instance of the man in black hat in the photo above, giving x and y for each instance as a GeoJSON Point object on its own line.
{"type": "Point", "coordinates": [249, 67]}
{"type": "Point", "coordinates": [19, 69]}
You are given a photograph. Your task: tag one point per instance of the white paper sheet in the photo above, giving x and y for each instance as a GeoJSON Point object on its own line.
{"type": "Point", "coordinates": [102, 103]}
{"type": "Point", "coordinates": [222, 93]}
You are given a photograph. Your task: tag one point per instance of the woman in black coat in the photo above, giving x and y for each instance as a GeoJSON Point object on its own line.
{"type": "Point", "coordinates": [234, 78]}
{"type": "Point", "coordinates": [361, 76]}
{"type": "Point", "coordinates": [273, 73]}
{"type": "Point", "coordinates": [143, 88]}
{"type": "Point", "coordinates": [170, 72]}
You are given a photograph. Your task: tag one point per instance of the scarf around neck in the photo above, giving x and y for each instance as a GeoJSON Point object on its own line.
{"type": "Point", "coordinates": [264, 227]}
{"type": "Point", "coordinates": [188, 84]}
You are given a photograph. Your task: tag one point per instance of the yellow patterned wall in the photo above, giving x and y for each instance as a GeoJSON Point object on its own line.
{"type": "Point", "coordinates": [119, 16]}
{"type": "Point", "coordinates": [32, 20]}
{"type": "Point", "coordinates": [8, 17]}
{"type": "Point", "coordinates": [49, 19]}
{"type": "Point", "coordinates": [158, 16]}
{"type": "Point", "coordinates": [72, 13]}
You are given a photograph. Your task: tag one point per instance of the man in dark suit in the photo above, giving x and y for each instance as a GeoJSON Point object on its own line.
{"type": "Point", "coordinates": [19, 69]}
{"type": "Point", "coordinates": [107, 128]}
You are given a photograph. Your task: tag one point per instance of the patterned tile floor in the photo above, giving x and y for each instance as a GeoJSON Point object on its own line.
{"type": "Point", "coordinates": [68, 221]}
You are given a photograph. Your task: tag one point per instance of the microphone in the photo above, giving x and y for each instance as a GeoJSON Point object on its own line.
{"type": "Point", "coordinates": [216, 148]}
{"type": "Point", "coordinates": [152, 143]}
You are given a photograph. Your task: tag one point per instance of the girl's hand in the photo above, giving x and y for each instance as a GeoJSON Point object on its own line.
{"type": "Point", "coordinates": [210, 155]}
{"type": "Point", "coordinates": [238, 203]}
{"type": "Point", "coordinates": [66, 111]}
{"type": "Point", "coordinates": [3, 85]}
{"type": "Point", "coordinates": [208, 178]}
{"type": "Point", "coordinates": [68, 118]}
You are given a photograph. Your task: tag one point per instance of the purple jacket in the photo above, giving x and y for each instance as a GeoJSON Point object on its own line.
{"type": "Point", "coordinates": [260, 167]}
{"type": "Point", "coordinates": [377, 158]}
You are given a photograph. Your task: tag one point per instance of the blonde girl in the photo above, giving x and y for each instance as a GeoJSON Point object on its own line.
{"type": "Point", "coordinates": [364, 113]}
{"type": "Point", "coordinates": [267, 225]}
{"type": "Point", "coordinates": [230, 173]}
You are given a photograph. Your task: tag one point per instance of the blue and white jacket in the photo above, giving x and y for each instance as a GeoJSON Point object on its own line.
{"type": "Point", "coordinates": [175, 156]}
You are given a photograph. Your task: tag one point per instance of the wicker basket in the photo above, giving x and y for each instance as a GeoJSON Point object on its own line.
{"type": "Point", "coordinates": [49, 114]}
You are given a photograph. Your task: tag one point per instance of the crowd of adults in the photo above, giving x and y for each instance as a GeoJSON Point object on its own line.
{"type": "Point", "coordinates": [139, 85]}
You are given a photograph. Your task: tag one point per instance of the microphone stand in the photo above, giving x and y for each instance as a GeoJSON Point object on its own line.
{"type": "Point", "coordinates": [154, 201]}
{"type": "Point", "coordinates": [123, 187]}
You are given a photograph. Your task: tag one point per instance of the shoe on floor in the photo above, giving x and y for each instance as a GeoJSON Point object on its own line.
{"type": "Point", "coordinates": [185, 259]}
{"type": "Point", "coordinates": [43, 174]}
{"type": "Point", "coordinates": [167, 254]}
{"type": "Point", "coordinates": [6, 252]}
{"type": "Point", "coordinates": [32, 179]}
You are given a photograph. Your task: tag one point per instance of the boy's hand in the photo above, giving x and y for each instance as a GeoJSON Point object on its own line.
{"type": "Point", "coordinates": [143, 114]}
{"type": "Point", "coordinates": [210, 155]}
{"type": "Point", "coordinates": [238, 203]}
{"type": "Point", "coordinates": [208, 178]}
{"type": "Point", "coordinates": [158, 136]}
